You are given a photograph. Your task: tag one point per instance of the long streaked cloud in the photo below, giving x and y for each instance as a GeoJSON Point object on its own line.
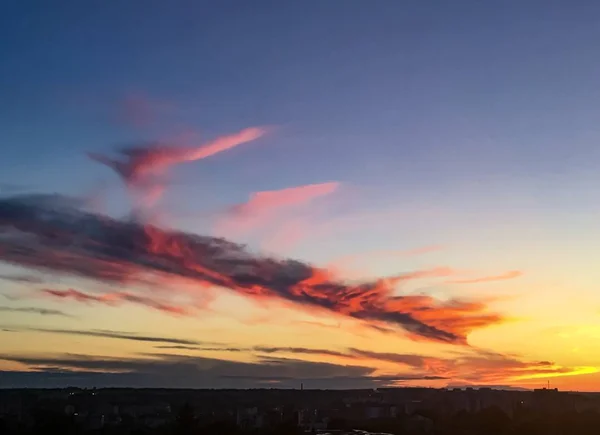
{"type": "Point", "coordinates": [50, 236]}
{"type": "Point", "coordinates": [22, 279]}
{"type": "Point", "coordinates": [177, 371]}
{"type": "Point", "coordinates": [116, 298]}
{"type": "Point", "coordinates": [299, 350]}
{"type": "Point", "coordinates": [142, 167]}
{"type": "Point", "coordinates": [468, 366]}
{"type": "Point", "coordinates": [34, 310]}
{"type": "Point", "coordinates": [477, 366]}
{"type": "Point", "coordinates": [502, 277]}
{"type": "Point", "coordinates": [416, 361]}
{"type": "Point", "coordinates": [116, 335]}
{"type": "Point", "coordinates": [202, 348]}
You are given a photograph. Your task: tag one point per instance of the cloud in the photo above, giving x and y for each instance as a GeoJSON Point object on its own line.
{"type": "Point", "coordinates": [182, 347]}
{"type": "Point", "coordinates": [412, 360]}
{"type": "Point", "coordinates": [116, 298]}
{"type": "Point", "coordinates": [503, 277]}
{"type": "Point", "coordinates": [34, 310]}
{"type": "Point", "coordinates": [117, 335]}
{"type": "Point", "coordinates": [261, 202]}
{"type": "Point", "coordinates": [486, 367]}
{"type": "Point", "coordinates": [142, 167]}
{"type": "Point", "coordinates": [275, 350]}
{"type": "Point", "coordinates": [299, 350]}
{"type": "Point", "coordinates": [176, 371]}
{"type": "Point", "coordinates": [416, 361]}
{"type": "Point", "coordinates": [48, 236]}
{"type": "Point", "coordinates": [476, 366]}
{"type": "Point", "coordinates": [265, 207]}
{"type": "Point", "coordinates": [22, 279]}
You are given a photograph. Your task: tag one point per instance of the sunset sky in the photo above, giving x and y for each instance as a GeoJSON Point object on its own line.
{"type": "Point", "coordinates": [412, 190]}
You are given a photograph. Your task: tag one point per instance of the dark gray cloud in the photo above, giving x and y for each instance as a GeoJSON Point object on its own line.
{"type": "Point", "coordinates": [300, 350]}
{"type": "Point", "coordinates": [413, 360]}
{"type": "Point", "coordinates": [51, 233]}
{"type": "Point", "coordinates": [222, 348]}
{"type": "Point", "coordinates": [177, 371]}
{"type": "Point", "coordinates": [118, 335]}
{"type": "Point", "coordinates": [178, 347]}
{"type": "Point", "coordinates": [34, 310]}
{"type": "Point", "coordinates": [22, 279]}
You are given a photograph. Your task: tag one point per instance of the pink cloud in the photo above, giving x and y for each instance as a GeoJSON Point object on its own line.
{"type": "Point", "coordinates": [263, 208]}
{"type": "Point", "coordinates": [142, 168]}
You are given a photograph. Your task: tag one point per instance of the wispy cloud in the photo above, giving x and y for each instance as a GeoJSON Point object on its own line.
{"type": "Point", "coordinates": [117, 335]}
{"type": "Point", "coordinates": [22, 279]}
{"type": "Point", "coordinates": [34, 310]}
{"type": "Point", "coordinates": [113, 299]}
{"type": "Point", "coordinates": [299, 350]}
{"type": "Point", "coordinates": [264, 208]}
{"type": "Point", "coordinates": [142, 168]}
{"type": "Point", "coordinates": [476, 365]}
{"type": "Point", "coordinates": [176, 371]}
{"type": "Point", "coordinates": [184, 347]}
{"type": "Point", "coordinates": [502, 277]}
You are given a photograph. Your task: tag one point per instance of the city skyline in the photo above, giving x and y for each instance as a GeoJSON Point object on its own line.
{"type": "Point", "coordinates": [328, 193]}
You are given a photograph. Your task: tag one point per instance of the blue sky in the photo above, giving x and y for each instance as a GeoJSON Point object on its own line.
{"type": "Point", "coordinates": [397, 93]}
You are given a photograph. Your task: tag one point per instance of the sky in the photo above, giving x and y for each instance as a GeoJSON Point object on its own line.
{"type": "Point", "coordinates": [344, 194]}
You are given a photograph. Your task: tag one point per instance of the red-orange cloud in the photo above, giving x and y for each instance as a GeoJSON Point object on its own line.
{"type": "Point", "coordinates": [48, 235]}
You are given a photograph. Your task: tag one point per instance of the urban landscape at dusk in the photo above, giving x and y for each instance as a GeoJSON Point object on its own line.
{"type": "Point", "coordinates": [284, 217]}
